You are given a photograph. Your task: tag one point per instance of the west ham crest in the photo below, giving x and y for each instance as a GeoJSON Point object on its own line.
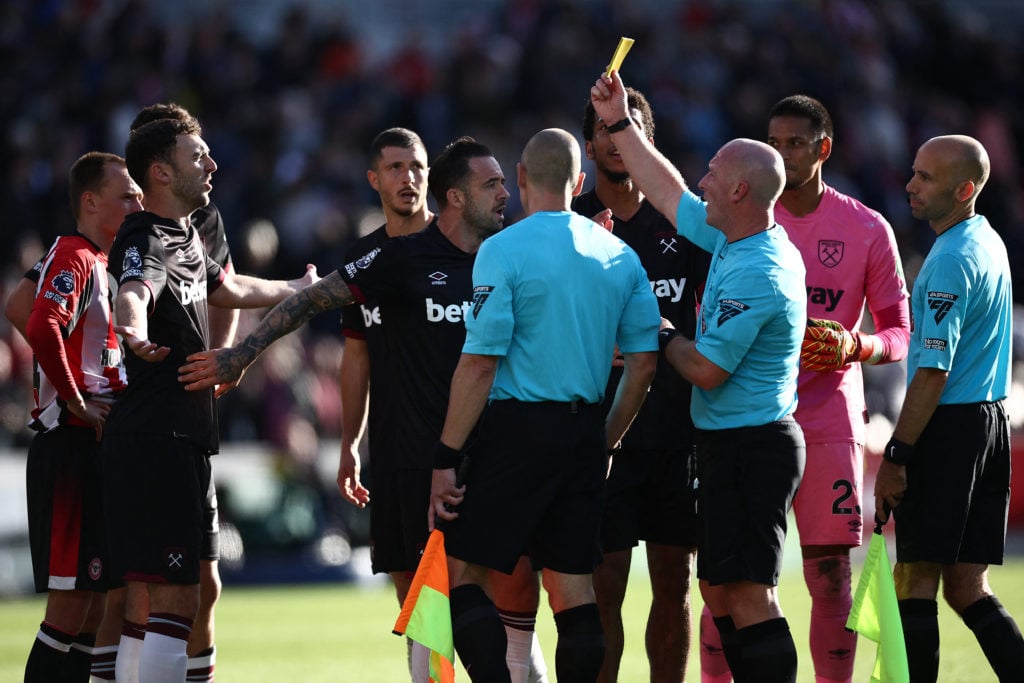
{"type": "Point", "coordinates": [830, 252]}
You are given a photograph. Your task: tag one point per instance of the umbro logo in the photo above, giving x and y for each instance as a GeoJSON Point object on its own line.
{"type": "Point", "coordinates": [729, 309]}
{"type": "Point", "coordinates": [940, 303]}
{"type": "Point", "coordinates": [438, 278]}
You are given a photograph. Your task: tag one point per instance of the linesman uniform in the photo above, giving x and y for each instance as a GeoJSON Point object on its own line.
{"type": "Point", "coordinates": [958, 482]}
{"type": "Point", "coordinates": [552, 296]}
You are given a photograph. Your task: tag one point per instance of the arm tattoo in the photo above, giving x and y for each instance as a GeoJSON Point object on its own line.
{"type": "Point", "coordinates": [289, 315]}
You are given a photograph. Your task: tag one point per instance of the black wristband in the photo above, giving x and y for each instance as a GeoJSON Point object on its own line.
{"type": "Point", "coordinates": [446, 457]}
{"type": "Point", "coordinates": [897, 452]}
{"type": "Point", "coordinates": [665, 337]}
{"type": "Point", "coordinates": [620, 125]}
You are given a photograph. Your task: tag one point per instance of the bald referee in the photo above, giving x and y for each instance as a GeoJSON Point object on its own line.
{"type": "Point", "coordinates": [552, 296]}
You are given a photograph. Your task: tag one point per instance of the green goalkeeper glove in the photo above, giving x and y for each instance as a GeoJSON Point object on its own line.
{"type": "Point", "coordinates": [828, 346]}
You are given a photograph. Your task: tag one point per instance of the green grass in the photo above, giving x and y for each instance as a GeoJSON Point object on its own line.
{"type": "Point", "coordinates": [343, 633]}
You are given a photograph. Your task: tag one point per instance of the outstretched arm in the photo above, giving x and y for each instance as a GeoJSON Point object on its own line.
{"type": "Point", "coordinates": [655, 175]}
{"type": "Point", "coordinates": [225, 366]}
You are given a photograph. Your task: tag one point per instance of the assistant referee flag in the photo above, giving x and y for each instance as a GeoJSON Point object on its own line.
{"type": "Point", "coordinates": [426, 615]}
{"type": "Point", "coordinates": [875, 613]}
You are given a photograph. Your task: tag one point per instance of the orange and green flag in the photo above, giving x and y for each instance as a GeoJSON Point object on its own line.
{"type": "Point", "coordinates": [875, 613]}
{"type": "Point", "coordinates": [426, 615]}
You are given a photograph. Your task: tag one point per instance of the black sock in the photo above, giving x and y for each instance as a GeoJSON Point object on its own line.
{"type": "Point", "coordinates": [767, 653]}
{"type": "Point", "coordinates": [479, 634]}
{"type": "Point", "coordinates": [730, 645]}
{"type": "Point", "coordinates": [580, 650]}
{"type": "Point", "coordinates": [48, 654]}
{"type": "Point", "coordinates": [998, 635]}
{"type": "Point", "coordinates": [79, 659]}
{"type": "Point", "coordinates": [921, 632]}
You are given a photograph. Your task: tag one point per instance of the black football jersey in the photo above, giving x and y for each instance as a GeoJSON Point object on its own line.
{"type": "Point", "coordinates": [677, 270]}
{"type": "Point", "coordinates": [363, 321]}
{"type": "Point", "coordinates": [169, 260]}
{"type": "Point", "coordinates": [423, 286]}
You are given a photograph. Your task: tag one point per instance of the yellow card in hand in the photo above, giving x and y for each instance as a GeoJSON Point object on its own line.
{"type": "Point", "coordinates": [620, 54]}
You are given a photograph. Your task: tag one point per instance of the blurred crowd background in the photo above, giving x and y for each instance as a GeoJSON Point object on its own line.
{"type": "Point", "coordinates": [291, 94]}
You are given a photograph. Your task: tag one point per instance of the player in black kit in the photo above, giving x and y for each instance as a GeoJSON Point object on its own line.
{"type": "Point", "coordinates": [159, 438]}
{"type": "Point", "coordinates": [650, 493]}
{"type": "Point", "coordinates": [422, 284]}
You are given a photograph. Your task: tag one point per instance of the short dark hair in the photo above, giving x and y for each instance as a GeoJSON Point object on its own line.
{"type": "Point", "coordinates": [804, 107]}
{"type": "Point", "coordinates": [165, 110]}
{"type": "Point", "coordinates": [634, 100]}
{"type": "Point", "coordinates": [87, 175]}
{"type": "Point", "coordinates": [451, 167]}
{"type": "Point", "coordinates": [393, 137]}
{"type": "Point", "coordinates": [155, 141]}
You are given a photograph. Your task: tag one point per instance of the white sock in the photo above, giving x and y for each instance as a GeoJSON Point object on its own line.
{"type": "Point", "coordinates": [517, 655]}
{"type": "Point", "coordinates": [538, 667]}
{"type": "Point", "coordinates": [127, 666]}
{"type": "Point", "coordinates": [200, 667]}
{"type": "Point", "coordinates": [163, 659]}
{"type": "Point", "coordinates": [419, 661]}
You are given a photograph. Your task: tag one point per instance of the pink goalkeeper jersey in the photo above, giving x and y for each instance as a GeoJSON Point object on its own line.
{"type": "Point", "coordinates": [850, 255]}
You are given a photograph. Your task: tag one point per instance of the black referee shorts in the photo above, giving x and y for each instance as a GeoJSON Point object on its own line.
{"type": "Point", "coordinates": [747, 480]}
{"type": "Point", "coordinates": [958, 488]}
{"type": "Point", "coordinates": [535, 486]}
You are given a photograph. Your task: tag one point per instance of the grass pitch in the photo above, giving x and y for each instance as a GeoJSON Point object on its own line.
{"type": "Point", "coordinates": [333, 633]}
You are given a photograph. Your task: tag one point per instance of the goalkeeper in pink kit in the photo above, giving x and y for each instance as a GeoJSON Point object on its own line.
{"type": "Point", "coordinates": [851, 258]}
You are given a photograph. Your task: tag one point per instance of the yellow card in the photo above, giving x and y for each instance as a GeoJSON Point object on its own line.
{"type": "Point", "coordinates": [620, 54]}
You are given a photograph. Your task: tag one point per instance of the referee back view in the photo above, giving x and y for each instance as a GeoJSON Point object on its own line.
{"type": "Point", "coordinates": [552, 296]}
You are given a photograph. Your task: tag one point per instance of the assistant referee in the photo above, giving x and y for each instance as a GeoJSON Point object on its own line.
{"type": "Point", "coordinates": [553, 294]}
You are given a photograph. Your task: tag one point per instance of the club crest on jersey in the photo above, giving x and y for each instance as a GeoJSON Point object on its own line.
{"type": "Point", "coordinates": [668, 242]}
{"type": "Point", "coordinates": [940, 303]}
{"type": "Point", "coordinates": [438, 278]}
{"type": "Point", "coordinates": [362, 264]}
{"type": "Point", "coordinates": [480, 294]}
{"type": "Point", "coordinates": [830, 252]}
{"type": "Point", "coordinates": [729, 309]}
{"type": "Point", "coordinates": [131, 264]}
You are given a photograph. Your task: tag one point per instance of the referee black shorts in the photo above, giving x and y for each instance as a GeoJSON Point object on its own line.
{"type": "Point", "coordinates": [535, 486]}
{"type": "Point", "coordinates": [958, 488]}
{"type": "Point", "coordinates": [747, 480]}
